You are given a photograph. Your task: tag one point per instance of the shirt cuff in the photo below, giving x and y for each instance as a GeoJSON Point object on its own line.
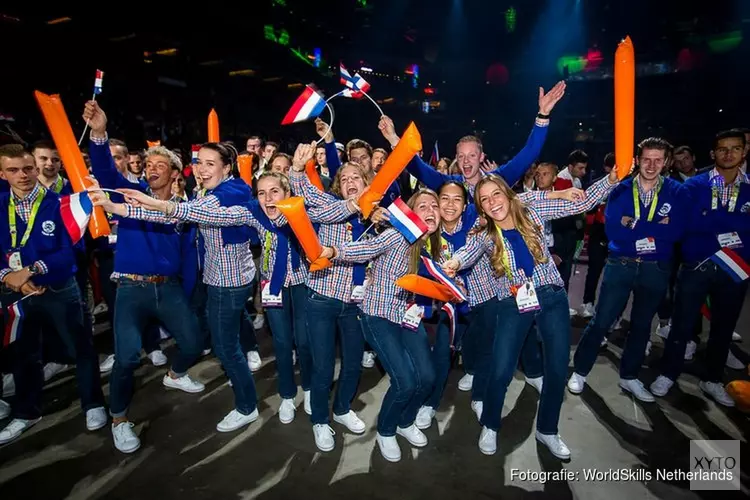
{"type": "Point", "coordinates": [5, 272]}
{"type": "Point", "coordinates": [131, 211]}
{"type": "Point", "coordinates": [181, 211]}
{"type": "Point", "coordinates": [540, 122]}
{"type": "Point", "coordinates": [99, 141]}
{"type": "Point", "coordinates": [43, 269]}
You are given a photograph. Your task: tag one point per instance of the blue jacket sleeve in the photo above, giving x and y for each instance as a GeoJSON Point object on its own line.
{"type": "Point", "coordinates": [613, 216]}
{"type": "Point", "coordinates": [62, 259]}
{"type": "Point", "coordinates": [514, 170]}
{"type": "Point", "coordinates": [105, 171]}
{"type": "Point", "coordinates": [332, 159]}
{"type": "Point", "coordinates": [427, 175]}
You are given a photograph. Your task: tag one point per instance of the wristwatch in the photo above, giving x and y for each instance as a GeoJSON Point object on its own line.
{"type": "Point", "coordinates": [34, 269]}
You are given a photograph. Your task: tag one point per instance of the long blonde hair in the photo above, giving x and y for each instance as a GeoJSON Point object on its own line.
{"type": "Point", "coordinates": [533, 235]}
{"type": "Point", "coordinates": [415, 252]}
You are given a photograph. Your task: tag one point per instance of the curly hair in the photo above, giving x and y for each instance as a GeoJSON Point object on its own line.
{"type": "Point", "coordinates": [336, 183]}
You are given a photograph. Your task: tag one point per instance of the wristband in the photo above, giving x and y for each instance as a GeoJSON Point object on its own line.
{"type": "Point", "coordinates": [542, 116]}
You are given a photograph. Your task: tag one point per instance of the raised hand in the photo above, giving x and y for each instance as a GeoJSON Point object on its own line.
{"type": "Point", "coordinates": [388, 129]}
{"type": "Point", "coordinates": [96, 118]}
{"type": "Point", "coordinates": [489, 166]}
{"type": "Point", "coordinates": [303, 154]}
{"type": "Point", "coordinates": [380, 215]}
{"type": "Point", "coordinates": [570, 194]}
{"type": "Point", "coordinates": [137, 199]}
{"type": "Point", "coordinates": [548, 101]}
{"type": "Point", "coordinates": [323, 130]}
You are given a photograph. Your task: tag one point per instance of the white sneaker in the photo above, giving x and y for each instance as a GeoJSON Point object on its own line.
{"type": "Point", "coordinates": [413, 435]}
{"type": "Point", "coordinates": [235, 420]}
{"type": "Point", "coordinates": [52, 369]}
{"type": "Point", "coordinates": [576, 383]}
{"type": "Point", "coordinates": [717, 393]}
{"type": "Point", "coordinates": [4, 409]}
{"type": "Point", "coordinates": [15, 428]}
{"type": "Point", "coordinates": [663, 331]}
{"type": "Point", "coordinates": [736, 337]}
{"type": "Point", "coordinates": [351, 421]}
{"type": "Point", "coordinates": [478, 407]}
{"type": "Point", "coordinates": [733, 362]}
{"type": "Point", "coordinates": [323, 437]}
{"type": "Point", "coordinates": [254, 361]}
{"type": "Point", "coordinates": [9, 385]}
{"type": "Point", "coordinates": [635, 387]}
{"type": "Point", "coordinates": [158, 358]}
{"type": "Point", "coordinates": [555, 445]}
{"type": "Point", "coordinates": [424, 417]}
{"type": "Point", "coordinates": [125, 439]}
{"type": "Point", "coordinates": [205, 352]}
{"type": "Point", "coordinates": [184, 383]}
{"type": "Point", "coordinates": [258, 322]}
{"type": "Point", "coordinates": [106, 365]}
{"type": "Point", "coordinates": [287, 411]}
{"type": "Point", "coordinates": [368, 359]}
{"type": "Point", "coordinates": [308, 404]}
{"type": "Point", "coordinates": [163, 333]}
{"type": "Point", "coordinates": [389, 447]}
{"type": "Point", "coordinates": [690, 350]}
{"type": "Point", "coordinates": [537, 383]}
{"type": "Point", "coordinates": [660, 387]}
{"type": "Point", "coordinates": [96, 418]}
{"type": "Point", "coordinates": [488, 441]}
{"type": "Point", "coordinates": [466, 383]}
{"type": "Point", "coordinates": [573, 312]}
{"type": "Point", "coordinates": [587, 310]}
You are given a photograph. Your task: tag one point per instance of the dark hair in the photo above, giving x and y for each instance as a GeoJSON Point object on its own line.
{"type": "Point", "coordinates": [227, 153]}
{"type": "Point", "coordinates": [119, 143]}
{"type": "Point", "coordinates": [655, 143]}
{"type": "Point", "coordinates": [684, 149]}
{"type": "Point", "coordinates": [13, 151]}
{"type": "Point", "coordinates": [272, 144]}
{"type": "Point", "coordinates": [256, 137]}
{"type": "Point", "coordinates": [729, 134]}
{"type": "Point", "coordinates": [578, 156]}
{"type": "Point", "coordinates": [744, 130]}
{"type": "Point", "coordinates": [43, 144]}
{"type": "Point", "coordinates": [454, 183]}
{"type": "Point", "coordinates": [609, 160]}
{"type": "Point", "coordinates": [357, 144]}
{"type": "Point", "coordinates": [278, 155]}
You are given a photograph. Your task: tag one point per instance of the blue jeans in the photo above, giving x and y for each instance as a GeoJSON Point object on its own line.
{"type": "Point", "coordinates": [531, 354]}
{"type": "Point", "coordinates": [442, 353]}
{"type": "Point", "coordinates": [482, 328]}
{"type": "Point", "coordinates": [198, 300]}
{"type": "Point", "coordinates": [248, 341]}
{"type": "Point", "coordinates": [287, 324]}
{"type": "Point", "coordinates": [138, 304]}
{"type": "Point", "coordinates": [59, 306]}
{"type": "Point", "coordinates": [649, 282]}
{"type": "Point", "coordinates": [324, 315]}
{"type": "Point", "coordinates": [225, 307]}
{"type": "Point", "coordinates": [405, 355]}
{"type": "Point", "coordinates": [726, 296]}
{"type": "Point", "coordinates": [512, 329]}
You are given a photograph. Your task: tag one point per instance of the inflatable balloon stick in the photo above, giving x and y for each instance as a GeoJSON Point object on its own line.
{"type": "Point", "coordinates": [245, 165]}
{"type": "Point", "coordinates": [624, 107]}
{"type": "Point", "coordinates": [67, 147]}
{"type": "Point", "coordinates": [294, 211]}
{"type": "Point", "coordinates": [739, 391]}
{"type": "Point", "coordinates": [213, 126]}
{"type": "Point", "coordinates": [426, 287]}
{"type": "Point", "coordinates": [409, 145]}
{"type": "Point", "coordinates": [312, 174]}
{"type": "Point", "coordinates": [153, 144]}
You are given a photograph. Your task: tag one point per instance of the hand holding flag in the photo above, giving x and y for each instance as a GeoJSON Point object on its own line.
{"type": "Point", "coordinates": [437, 273]}
{"type": "Point", "coordinates": [405, 221]}
{"type": "Point", "coordinates": [98, 78]}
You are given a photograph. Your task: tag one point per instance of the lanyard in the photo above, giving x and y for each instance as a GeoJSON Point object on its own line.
{"type": "Point", "coordinates": [506, 260]}
{"type": "Point", "coordinates": [267, 252]}
{"type": "Point", "coordinates": [445, 251]}
{"type": "Point", "coordinates": [637, 201]}
{"type": "Point", "coordinates": [57, 188]}
{"type": "Point", "coordinates": [32, 217]}
{"type": "Point", "coordinates": [732, 197]}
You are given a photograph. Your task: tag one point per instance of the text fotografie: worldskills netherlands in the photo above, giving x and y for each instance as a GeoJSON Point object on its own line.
{"type": "Point", "coordinates": [619, 475]}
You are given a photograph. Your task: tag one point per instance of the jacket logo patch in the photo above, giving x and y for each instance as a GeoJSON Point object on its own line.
{"type": "Point", "coordinates": [745, 208]}
{"type": "Point", "coordinates": [48, 228]}
{"type": "Point", "coordinates": [664, 210]}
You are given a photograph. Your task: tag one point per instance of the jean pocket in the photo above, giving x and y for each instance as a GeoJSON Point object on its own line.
{"type": "Point", "coordinates": [65, 288]}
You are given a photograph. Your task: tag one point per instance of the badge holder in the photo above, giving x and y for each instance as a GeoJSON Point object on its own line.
{"type": "Point", "coordinates": [527, 299]}
{"type": "Point", "coordinates": [413, 317]}
{"type": "Point", "coordinates": [267, 298]}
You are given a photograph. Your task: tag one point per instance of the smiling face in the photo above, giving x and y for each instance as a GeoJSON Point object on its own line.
{"type": "Point", "coordinates": [426, 206]}
{"type": "Point", "coordinates": [452, 203]}
{"type": "Point", "coordinates": [159, 172]}
{"type": "Point", "coordinates": [281, 165]}
{"type": "Point", "coordinates": [469, 157]}
{"type": "Point", "coordinates": [494, 201]}
{"type": "Point", "coordinates": [351, 182]}
{"type": "Point", "coordinates": [271, 190]}
{"type": "Point", "coordinates": [211, 169]}
{"type": "Point", "coordinates": [651, 163]}
{"type": "Point", "coordinates": [48, 162]}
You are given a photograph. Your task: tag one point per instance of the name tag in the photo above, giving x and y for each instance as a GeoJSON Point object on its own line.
{"type": "Point", "coordinates": [14, 261]}
{"type": "Point", "coordinates": [358, 292]}
{"type": "Point", "coordinates": [267, 298]}
{"type": "Point", "coordinates": [112, 238]}
{"type": "Point", "coordinates": [645, 246]}
{"type": "Point", "coordinates": [413, 317]}
{"type": "Point", "coordinates": [526, 298]}
{"type": "Point", "coordinates": [730, 240]}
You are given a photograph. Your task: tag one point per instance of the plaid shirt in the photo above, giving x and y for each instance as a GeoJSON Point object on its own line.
{"type": "Point", "coordinates": [725, 190]}
{"type": "Point", "coordinates": [23, 209]}
{"type": "Point", "coordinates": [336, 281]}
{"type": "Point", "coordinates": [647, 196]}
{"type": "Point", "coordinates": [538, 211]}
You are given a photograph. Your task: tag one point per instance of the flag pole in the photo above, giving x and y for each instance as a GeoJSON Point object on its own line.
{"type": "Point", "coordinates": [373, 101]}
{"type": "Point", "coordinates": [93, 98]}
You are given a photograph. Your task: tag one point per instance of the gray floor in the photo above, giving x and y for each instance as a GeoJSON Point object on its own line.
{"type": "Point", "coordinates": [184, 457]}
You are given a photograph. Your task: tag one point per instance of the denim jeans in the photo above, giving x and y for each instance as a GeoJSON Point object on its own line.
{"type": "Point", "coordinates": [225, 308]}
{"type": "Point", "coordinates": [248, 341]}
{"type": "Point", "coordinates": [648, 281]}
{"type": "Point", "coordinates": [531, 354]}
{"type": "Point", "coordinates": [597, 252]}
{"type": "Point", "coordinates": [324, 316]}
{"type": "Point", "coordinates": [287, 324]}
{"type": "Point", "coordinates": [198, 305]}
{"type": "Point", "coordinates": [106, 259]}
{"type": "Point", "coordinates": [138, 304]}
{"type": "Point", "coordinates": [726, 296]}
{"type": "Point", "coordinates": [565, 248]}
{"type": "Point", "coordinates": [442, 353]}
{"type": "Point", "coordinates": [482, 327]}
{"type": "Point", "coordinates": [405, 355]}
{"type": "Point", "coordinates": [61, 307]}
{"type": "Point", "coordinates": [512, 328]}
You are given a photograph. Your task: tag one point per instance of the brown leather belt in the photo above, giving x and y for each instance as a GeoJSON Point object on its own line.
{"type": "Point", "coordinates": [145, 279]}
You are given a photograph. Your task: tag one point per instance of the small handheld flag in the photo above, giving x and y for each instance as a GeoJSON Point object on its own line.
{"type": "Point", "coordinates": [13, 324]}
{"type": "Point", "coordinates": [356, 82]}
{"type": "Point", "coordinates": [437, 273]}
{"type": "Point", "coordinates": [98, 82]}
{"type": "Point", "coordinates": [450, 311]}
{"type": "Point", "coordinates": [195, 149]}
{"type": "Point", "coordinates": [435, 158]}
{"type": "Point", "coordinates": [76, 210]}
{"type": "Point", "coordinates": [310, 104]}
{"type": "Point", "coordinates": [729, 261]}
{"type": "Point", "coordinates": [406, 221]}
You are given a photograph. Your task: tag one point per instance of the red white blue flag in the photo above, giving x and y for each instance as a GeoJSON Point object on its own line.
{"type": "Point", "coordinates": [76, 210]}
{"type": "Point", "coordinates": [450, 311]}
{"type": "Point", "coordinates": [308, 105]}
{"type": "Point", "coordinates": [437, 273]}
{"type": "Point", "coordinates": [355, 85]}
{"type": "Point", "coordinates": [13, 324]}
{"type": "Point", "coordinates": [98, 81]}
{"type": "Point", "coordinates": [406, 221]}
{"type": "Point", "coordinates": [195, 149]}
{"type": "Point", "coordinates": [729, 261]}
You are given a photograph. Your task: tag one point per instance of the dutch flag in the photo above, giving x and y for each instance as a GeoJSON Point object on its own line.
{"type": "Point", "coordinates": [406, 221]}
{"type": "Point", "coordinates": [356, 83]}
{"type": "Point", "coordinates": [76, 210]}
{"type": "Point", "coordinates": [729, 261]}
{"type": "Point", "coordinates": [308, 105]}
{"type": "Point", "coordinates": [13, 324]}
{"type": "Point", "coordinates": [196, 148]}
{"type": "Point", "coordinates": [437, 273]}
{"type": "Point", "coordinates": [98, 82]}
{"type": "Point", "coordinates": [450, 311]}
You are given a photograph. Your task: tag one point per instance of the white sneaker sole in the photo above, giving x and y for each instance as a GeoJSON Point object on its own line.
{"type": "Point", "coordinates": [489, 453]}
{"type": "Point", "coordinates": [339, 420]}
{"type": "Point", "coordinates": [636, 396]}
{"type": "Point", "coordinates": [416, 445]}
{"type": "Point", "coordinates": [96, 428]}
{"type": "Point", "coordinates": [554, 453]}
{"type": "Point", "coordinates": [252, 419]}
{"type": "Point", "coordinates": [716, 400]}
{"type": "Point", "coordinates": [167, 382]}
{"type": "Point", "coordinates": [393, 459]}
{"type": "Point", "coordinates": [325, 449]}
{"type": "Point", "coordinates": [423, 426]}
{"type": "Point", "coordinates": [129, 450]}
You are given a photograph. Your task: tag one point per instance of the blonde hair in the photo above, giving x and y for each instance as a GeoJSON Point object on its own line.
{"type": "Point", "coordinates": [532, 234]}
{"type": "Point", "coordinates": [174, 161]}
{"type": "Point", "coordinates": [336, 184]}
{"type": "Point", "coordinates": [415, 251]}
{"type": "Point", "coordinates": [283, 180]}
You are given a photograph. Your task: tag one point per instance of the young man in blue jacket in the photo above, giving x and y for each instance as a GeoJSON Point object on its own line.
{"type": "Point", "coordinates": [718, 217]}
{"type": "Point", "coordinates": [644, 218]}
{"type": "Point", "coordinates": [36, 257]}
{"type": "Point", "coordinates": [148, 262]}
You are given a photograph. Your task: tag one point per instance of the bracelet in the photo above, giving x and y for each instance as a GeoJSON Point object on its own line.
{"type": "Point", "coordinates": [170, 208]}
{"type": "Point", "coordinates": [542, 116]}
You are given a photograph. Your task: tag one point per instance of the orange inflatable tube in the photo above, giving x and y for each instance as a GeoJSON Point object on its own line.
{"type": "Point", "coordinates": [213, 126]}
{"type": "Point", "coordinates": [67, 146]}
{"type": "Point", "coordinates": [153, 144]}
{"type": "Point", "coordinates": [294, 211]}
{"type": "Point", "coordinates": [245, 165]}
{"type": "Point", "coordinates": [425, 287]}
{"type": "Point", "coordinates": [624, 107]}
{"type": "Point", "coordinates": [409, 145]}
{"type": "Point", "coordinates": [312, 174]}
{"type": "Point", "coordinates": [739, 391]}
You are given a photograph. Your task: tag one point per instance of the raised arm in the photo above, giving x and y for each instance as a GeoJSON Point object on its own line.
{"type": "Point", "coordinates": [366, 250]}
{"type": "Point", "coordinates": [301, 184]}
{"type": "Point", "coordinates": [476, 246]}
{"type": "Point", "coordinates": [557, 209]}
{"type": "Point", "coordinates": [333, 213]}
